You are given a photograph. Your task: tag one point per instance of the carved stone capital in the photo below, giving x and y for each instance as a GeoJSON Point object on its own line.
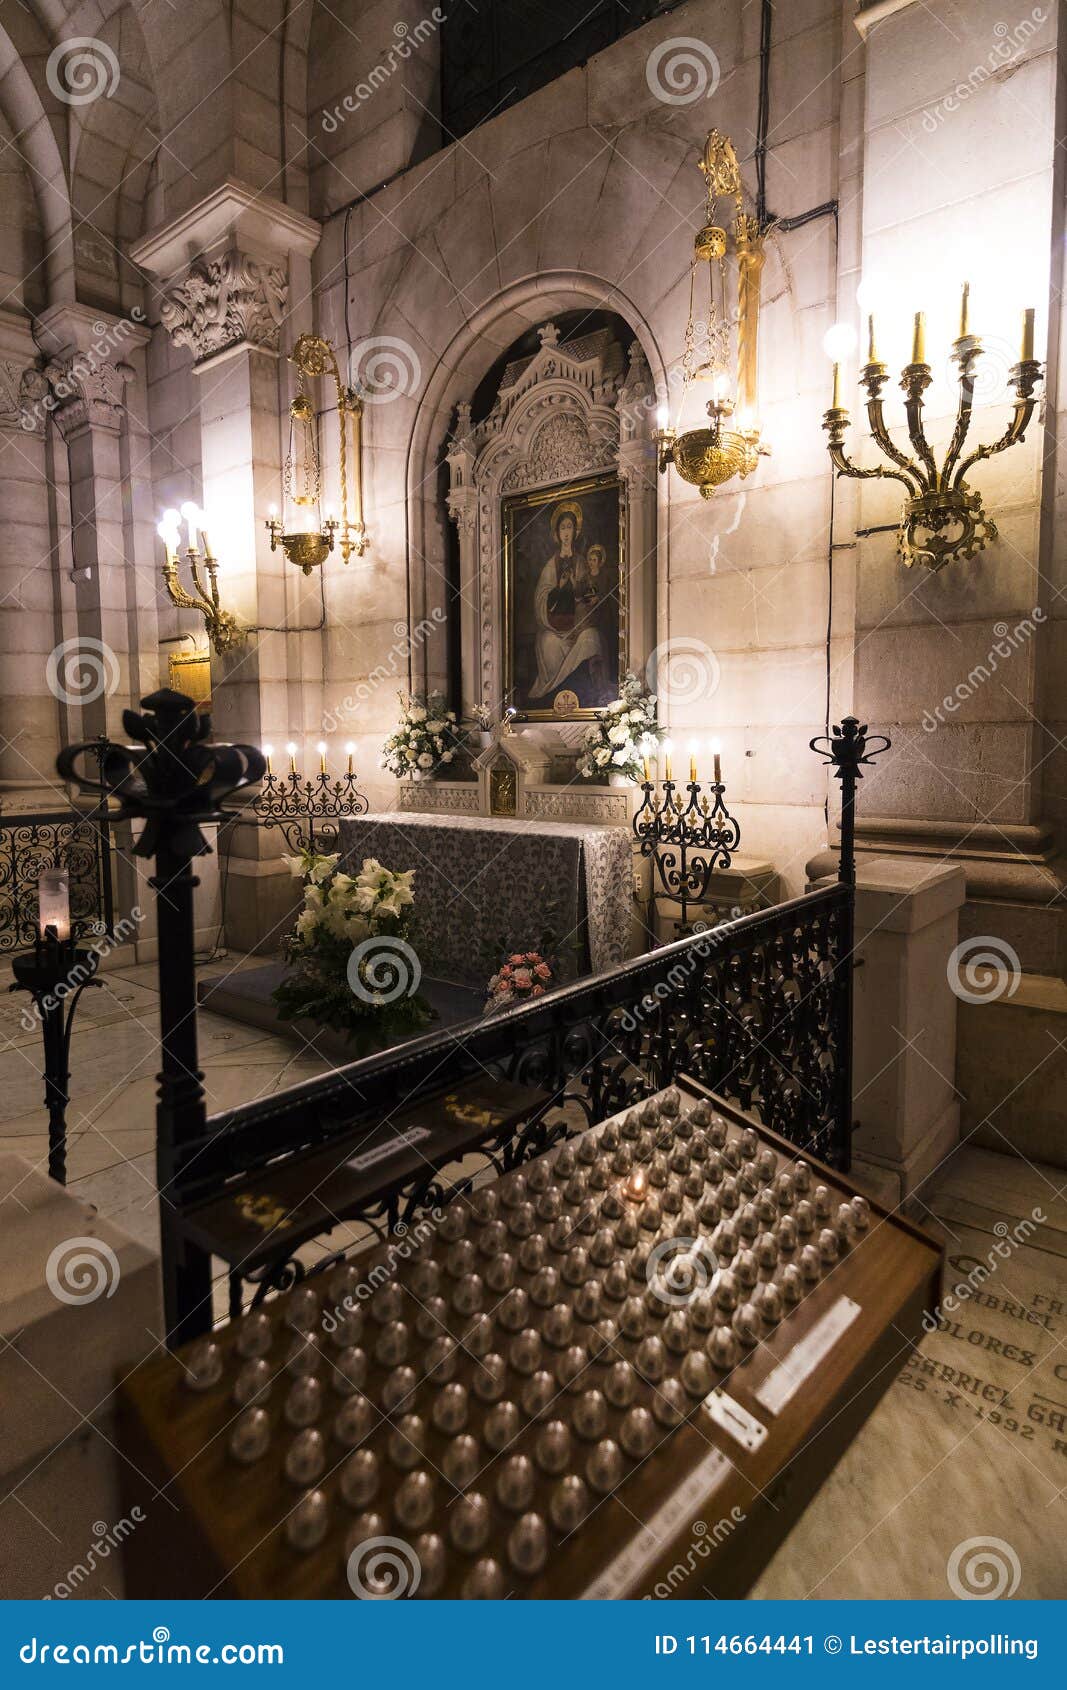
{"type": "Point", "coordinates": [463, 509]}
{"type": "Point", "coordinates": [226, 303]}
{"type": "Point", "coordinates": [86, 393]}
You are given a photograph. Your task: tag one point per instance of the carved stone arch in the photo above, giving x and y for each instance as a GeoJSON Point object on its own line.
{"type": "Point", "coordinates": [438, 426]}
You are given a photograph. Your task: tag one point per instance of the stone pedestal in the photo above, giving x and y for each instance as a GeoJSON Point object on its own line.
{"type": "Point", "coordinates": [79, 1307]}
{"type": "Point", "coordinates": [748, 884]}
{"type": "Point", "coordinates": [905, 1102]}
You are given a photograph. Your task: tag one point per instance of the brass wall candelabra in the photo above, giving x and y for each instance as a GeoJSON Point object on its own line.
{"type": "Point", "coordinates": [943, 517]}
{"type": "Point", "coordinates": [687, 839]}
{"type": "Point", "coordinates": [308, 547]}
{"type": "Point", "coordinates": [296, 804]}
{"type": "Point", "coordinates": [223, 629]}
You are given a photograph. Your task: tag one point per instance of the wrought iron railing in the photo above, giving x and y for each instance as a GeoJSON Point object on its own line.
{"type": "Point", "coordinates": [74, 840]}
{"type": "Point", "coordinates": [758, 1009]}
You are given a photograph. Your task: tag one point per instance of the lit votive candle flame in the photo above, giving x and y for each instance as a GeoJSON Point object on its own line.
{"type": "Point", "coordinates": [291, 753]}
{"type": "Point", "coordinates": [350, 748]}
{"type": "Point", "coordinates": [637, 1186]}
{"type": "Point", "coordinates": [322, 756]}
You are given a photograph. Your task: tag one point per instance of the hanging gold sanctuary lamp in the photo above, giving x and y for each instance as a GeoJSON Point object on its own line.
{"type": "Point", "coordinates": [720, 354]}
{"type": "Point", "coordinates": [304, 537]}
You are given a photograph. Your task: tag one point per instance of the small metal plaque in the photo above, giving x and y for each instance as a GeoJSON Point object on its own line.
{"type": "Point", "coordinates": [388, 1147]}
{"type": "Point", "coordinates": [805, 1356]}
{"type": "Point", "coordinates": [619, 1577]}
{"type": "Point", "coordinates": [730, 1417]}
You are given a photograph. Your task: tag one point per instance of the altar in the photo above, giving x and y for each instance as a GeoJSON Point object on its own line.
{"type": "Point", "coordinates": [488, 885]}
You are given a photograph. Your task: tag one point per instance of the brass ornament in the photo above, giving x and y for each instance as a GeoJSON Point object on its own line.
{"type": "Point", "coordinates": [314, 357]}
{"type": "Point", "coordinates": [943, 518]}
{"type": "Point", "coordinates": [708, 457]}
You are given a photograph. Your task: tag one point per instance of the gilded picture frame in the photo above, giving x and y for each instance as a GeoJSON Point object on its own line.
{"type": "Point", "coordinates": [564, 598]}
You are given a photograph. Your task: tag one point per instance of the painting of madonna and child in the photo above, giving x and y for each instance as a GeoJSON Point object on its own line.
{"type": "Point", "coordinates": [561, 598]}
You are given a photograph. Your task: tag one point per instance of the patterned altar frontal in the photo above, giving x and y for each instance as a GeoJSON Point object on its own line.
{"type": "Point", "coordinates": [485, 886]}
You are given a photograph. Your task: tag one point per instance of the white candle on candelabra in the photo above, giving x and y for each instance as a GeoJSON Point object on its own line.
{"type": "Point", "coordinates": [872, 356]}
{"type": "Point", "coordinates": [322, 756]}
{"type": "Point", "coordinates": [964, 303]}
{"type": "Point", "coordinates": [53, 902]}
{"type": "Point", "coordinates": [644, 762]}
{"type": "Point", "coordinates": [350, 748]}
{"type": "Point", "coordinates": [918, 339]}
{"type": "Point", "coordinates": [836, 400]}
{"type": "Point", "coordinates": [692, 760]}
{"type": "Point", "coordinates": [1027, 352]}
{"type": "Point", "coordinates": [291, 753]}
{"type": "Point", "coordinates": [268, 752]}
{"type": "Point", "coordinates": [715, 752]}
{"type": "Point", "coordinates": [667, 749]}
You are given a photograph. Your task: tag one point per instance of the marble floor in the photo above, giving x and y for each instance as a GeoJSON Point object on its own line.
{"type": "Point", "coordinates": [958, 1478]}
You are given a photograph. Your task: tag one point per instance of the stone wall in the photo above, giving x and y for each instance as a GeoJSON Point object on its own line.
{"type": "Point", "coordinates": [585, 196]}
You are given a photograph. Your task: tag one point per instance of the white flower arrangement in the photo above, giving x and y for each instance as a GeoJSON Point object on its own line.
{"type": "Point", "coordinates": [340, 913]}
{"type": "Point", "coordinates": [623, 734]}
{"type": "Point", "coordinates": [425, 740]}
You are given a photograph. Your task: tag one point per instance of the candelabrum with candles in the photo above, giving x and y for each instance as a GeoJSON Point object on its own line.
{"type": "Point", "coordinates": [223, 628]}
{"type": "Point", "coordinates": [688, 838]}
{"type": "Point", "coordinates": [943, 517]}
{"type": "Point", "coordinates": [55, 973]}
{"type": "Point", "coordinates": [308, 809]}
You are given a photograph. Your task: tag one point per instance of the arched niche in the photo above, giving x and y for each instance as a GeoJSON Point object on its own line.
{"type": "Point", "coordinates": [624, 432]}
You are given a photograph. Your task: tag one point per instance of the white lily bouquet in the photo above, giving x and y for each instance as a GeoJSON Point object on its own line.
{"type": "Point", "coordinates": [623, 734]}
{"type": "Point", "coordinates": [425, 740]}
{"type": "Point", "coordinates": [350, 966]}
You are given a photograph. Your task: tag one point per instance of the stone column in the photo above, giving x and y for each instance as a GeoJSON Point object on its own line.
{"type": "Point", "coordinates": [960, 137]}
{"type": "Point", "coordinates": [29, 736]}
{"type": "Point", "coordinates": [88, 370]}
{"type": "Point", "coordinates": [237, 307]}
